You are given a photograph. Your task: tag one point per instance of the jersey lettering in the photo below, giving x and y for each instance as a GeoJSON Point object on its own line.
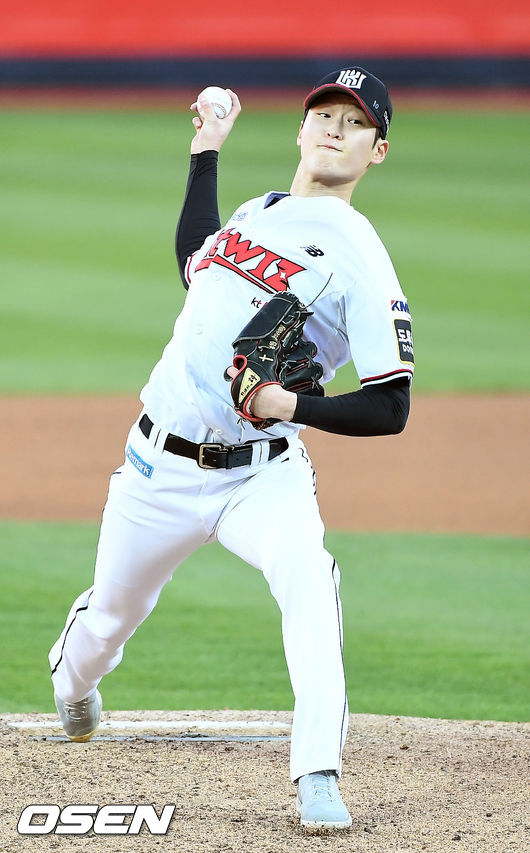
{"type": "Point", "coordinates": [272, 273]}
{"type": "Point", "coordinates": [264, 264]}
{"type": "Point", "coordinates": [239, 249]}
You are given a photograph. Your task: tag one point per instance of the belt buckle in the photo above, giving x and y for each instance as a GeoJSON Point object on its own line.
{"type": "Point", "coordinates": [202, 447]}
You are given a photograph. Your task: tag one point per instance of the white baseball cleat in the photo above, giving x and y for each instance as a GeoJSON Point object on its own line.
{"type": "Point", "coordinates": [80, 719]}
{"type": "Point", "coordinates": [319, 803]}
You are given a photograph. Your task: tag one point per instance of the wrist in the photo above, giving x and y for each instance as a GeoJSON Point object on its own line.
{"type": "Point", "coordinates": [206, 148]}
{"type": "Point", "coordinates": [273, 401]}
{"type": "Point", "coordinates": [286, 405]}
{"type": "Point", "coordinates": [205, 151]}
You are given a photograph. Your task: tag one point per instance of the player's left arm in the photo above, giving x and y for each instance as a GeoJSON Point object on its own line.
{"type": "Point", "coordinates": [381, 409]}
{"type": "Point", "coordinates": [381, 406]}
{"type": "Point", "coordinates": [199, 216]}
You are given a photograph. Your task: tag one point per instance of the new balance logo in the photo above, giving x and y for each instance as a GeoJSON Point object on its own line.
{"type": "Point", "coordinates": [351, 78]}
{"type": "Point", "coordinates": [313, 251]}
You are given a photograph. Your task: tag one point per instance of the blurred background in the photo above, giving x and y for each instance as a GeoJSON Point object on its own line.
{"type": "Point", "coordinates": [94, 143]}
{"type": "Point", "coordinates": [432, 529]}
{"type": "Point", "coordinates": [457, 43]}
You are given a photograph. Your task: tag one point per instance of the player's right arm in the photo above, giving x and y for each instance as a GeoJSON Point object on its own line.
{"type": "Point", "coordinates": [200, 214]}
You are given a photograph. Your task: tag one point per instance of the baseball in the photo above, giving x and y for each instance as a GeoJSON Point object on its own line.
{"type": "Point", "coordinates": [219, 98]}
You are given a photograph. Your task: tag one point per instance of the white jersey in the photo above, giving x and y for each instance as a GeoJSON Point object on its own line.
{"type": "Point", "coordinates": [164, 506]}
{"type": "Point", "coordinates": [322, 250]}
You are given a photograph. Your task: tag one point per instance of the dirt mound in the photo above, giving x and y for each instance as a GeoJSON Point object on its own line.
{"type": "Point", "coordinates": [410, 784]}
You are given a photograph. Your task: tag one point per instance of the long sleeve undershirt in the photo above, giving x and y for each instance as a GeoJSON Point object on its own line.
{"type": "Point", "coordinates": [199, 216]}
{"type": "Point", "coordinates": [380, 409]}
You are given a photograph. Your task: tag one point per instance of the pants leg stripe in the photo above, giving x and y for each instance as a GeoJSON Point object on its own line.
{"type": "Point", "coordinates": [342, 656]}
{"type": "Point", "coordinates": [79, 610]}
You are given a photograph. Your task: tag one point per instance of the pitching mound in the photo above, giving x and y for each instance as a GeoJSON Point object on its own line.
{"type": "Point", "coordinates": [410, 784]}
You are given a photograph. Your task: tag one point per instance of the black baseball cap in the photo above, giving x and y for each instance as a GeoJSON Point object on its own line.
{"type": "Point", "coordinates": [369, 91]}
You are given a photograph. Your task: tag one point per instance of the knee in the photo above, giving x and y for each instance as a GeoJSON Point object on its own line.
{"type": "Point", "coordinates": [116, 619]}
{"type": "Point", "coordinates": [301, 574]}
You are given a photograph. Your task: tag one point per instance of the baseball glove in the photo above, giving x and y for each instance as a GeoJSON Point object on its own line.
{"type": "Point", "coordinates": [270, 351]}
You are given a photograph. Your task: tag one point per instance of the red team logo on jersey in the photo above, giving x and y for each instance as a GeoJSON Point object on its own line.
{"type": "Point", "coordinates": [271, 272]}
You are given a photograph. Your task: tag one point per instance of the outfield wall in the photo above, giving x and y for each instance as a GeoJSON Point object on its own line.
{"type": "Point", "coordinates": [295, 27]}
{"type": "Point", "coordinates": [167, 42]}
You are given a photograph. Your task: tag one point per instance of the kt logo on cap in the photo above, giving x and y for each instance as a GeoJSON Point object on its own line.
{"type": "Point", "coordinates": [351, 78]}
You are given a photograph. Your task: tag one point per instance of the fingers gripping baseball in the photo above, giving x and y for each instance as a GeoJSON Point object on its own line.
{"type": "Point", "coordinates": [210, 130]}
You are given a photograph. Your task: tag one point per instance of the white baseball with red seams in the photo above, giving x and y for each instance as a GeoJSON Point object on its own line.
{"type": "Point", "coordinates": [219, 99]}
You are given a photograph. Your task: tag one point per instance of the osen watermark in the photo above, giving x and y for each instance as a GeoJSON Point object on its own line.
{"type": "Point", "coordinates": [74, 819]}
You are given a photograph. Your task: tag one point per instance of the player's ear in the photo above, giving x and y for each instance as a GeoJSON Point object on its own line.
{"type": "Point", "coordinates": [299, 137]}
{"type": "Point", "coordinates": [380, 151]}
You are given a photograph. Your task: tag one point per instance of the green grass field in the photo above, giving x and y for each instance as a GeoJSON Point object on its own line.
{"type": "Point", "coordinates": [90, 202]}
{"type": "Point", "coordinates": [434, 626]}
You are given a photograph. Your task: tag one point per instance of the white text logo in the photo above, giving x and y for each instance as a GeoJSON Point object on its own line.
{"type": "Point", "coordinates": [105, 820]}
{"type": "Point", "coordinates": [351, 78]}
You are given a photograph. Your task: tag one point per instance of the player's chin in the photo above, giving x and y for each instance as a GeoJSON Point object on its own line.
{"type": "Point", "coordinates": [329, 175]}
{"type": "Point", "coordinates": [324, 164]}
{"type": "Point", "coordinates": [329, 159]}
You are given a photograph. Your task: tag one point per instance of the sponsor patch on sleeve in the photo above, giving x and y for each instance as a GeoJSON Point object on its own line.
{"type": "Point", "coordinates": [404, 341]}
{"type": "Point", "coordinates": [400, 305]}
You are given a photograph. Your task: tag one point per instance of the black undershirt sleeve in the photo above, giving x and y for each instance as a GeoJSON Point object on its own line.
{"type": "Point", "coordinates": [199, 216]}
{"type": "Point", "coordinates": [373, 410]}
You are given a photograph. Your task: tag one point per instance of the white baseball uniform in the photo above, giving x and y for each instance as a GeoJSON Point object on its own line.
{"type": "Point", "coordinates": [161, 507]}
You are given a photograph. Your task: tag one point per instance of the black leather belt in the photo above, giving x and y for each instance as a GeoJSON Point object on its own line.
{"type": "Point", "coordinates": [213, 455]}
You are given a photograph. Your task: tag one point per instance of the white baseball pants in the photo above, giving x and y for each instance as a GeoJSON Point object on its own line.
{"type": "Point", "coordinates": [268, 515]}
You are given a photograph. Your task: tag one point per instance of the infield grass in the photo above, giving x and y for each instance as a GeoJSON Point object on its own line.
{"type": "Point", "coordinates": [434, 626]}
{"type": "Point", "coordinates": [90, 288]}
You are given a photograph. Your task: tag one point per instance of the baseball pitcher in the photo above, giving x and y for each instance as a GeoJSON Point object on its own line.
{"type": "Point", "coordinates": [294, 285]}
